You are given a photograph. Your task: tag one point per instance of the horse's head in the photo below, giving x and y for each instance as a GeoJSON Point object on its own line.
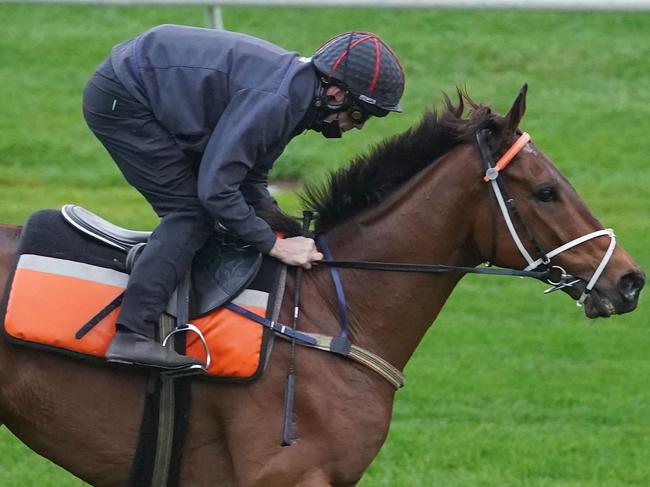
{"type": "Point", "coordinates": [538, 221]}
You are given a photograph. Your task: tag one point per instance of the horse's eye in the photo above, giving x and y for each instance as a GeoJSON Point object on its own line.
{"type": "Point", "coordinates": [546, 195]}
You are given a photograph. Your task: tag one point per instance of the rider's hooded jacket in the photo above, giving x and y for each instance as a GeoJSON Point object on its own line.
{"type": "Point", "coordinates": [236, 99]}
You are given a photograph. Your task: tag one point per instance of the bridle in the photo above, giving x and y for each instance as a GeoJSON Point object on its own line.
{"type": "Point", "coordinates": [539, 267]}
{"type": "Point", "coordinates": [508, 210]}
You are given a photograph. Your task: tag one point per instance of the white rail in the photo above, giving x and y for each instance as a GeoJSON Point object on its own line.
{"type": "Point", "coordinates": [214, 6]}
{"type": "Point", "coordinates": [460, 4]}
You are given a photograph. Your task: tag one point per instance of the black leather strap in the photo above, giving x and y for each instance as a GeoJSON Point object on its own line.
{"type": "Point", "coordinates": [103, 313]}
{"type": "Point", "coordinates": [431, 268]}
{"type": "Point", "coordinates": [484, 149]}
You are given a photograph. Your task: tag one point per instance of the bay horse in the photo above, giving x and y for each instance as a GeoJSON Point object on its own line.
{"type": "Point", "coordinates": [418, 197]}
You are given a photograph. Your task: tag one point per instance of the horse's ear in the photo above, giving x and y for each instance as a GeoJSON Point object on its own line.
{"type": "Point", "coordinates": [517, 110]}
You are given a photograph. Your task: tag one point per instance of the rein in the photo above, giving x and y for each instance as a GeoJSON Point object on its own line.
{"type": "Point", "coordinates": [431, 268]}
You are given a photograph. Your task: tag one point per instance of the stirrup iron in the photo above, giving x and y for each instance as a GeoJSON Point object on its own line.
{"type": "Point", "coordinates": [189, 327]}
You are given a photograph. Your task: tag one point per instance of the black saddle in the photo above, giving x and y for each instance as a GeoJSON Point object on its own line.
{"type": "Point", "coordinates": [220, 270]}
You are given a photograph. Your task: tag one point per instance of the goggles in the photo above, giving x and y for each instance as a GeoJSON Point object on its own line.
{"type": "Point", "coordinates": [359, 111]}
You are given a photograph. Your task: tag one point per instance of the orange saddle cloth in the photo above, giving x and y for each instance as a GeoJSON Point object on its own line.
{"type": "Point", "coordinates": [51, 299]}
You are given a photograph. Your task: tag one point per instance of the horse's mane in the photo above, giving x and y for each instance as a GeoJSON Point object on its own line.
{"type": "Point", "coordinates": [369, 178]}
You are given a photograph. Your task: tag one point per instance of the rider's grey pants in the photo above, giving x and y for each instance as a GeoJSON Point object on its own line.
{"type": "Point", "coordinates": [153, 163]}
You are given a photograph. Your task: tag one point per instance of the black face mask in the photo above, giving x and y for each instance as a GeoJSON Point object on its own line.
{"type": "Point", "coordinates": [332, 129]}
{"type": "Point", "coordinates": [329, 130]}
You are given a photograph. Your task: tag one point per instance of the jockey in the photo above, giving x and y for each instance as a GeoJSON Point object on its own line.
{"type": "Point", "coordinates": [195, 118]}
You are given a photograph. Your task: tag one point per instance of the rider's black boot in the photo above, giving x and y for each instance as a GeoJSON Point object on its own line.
{"type": "Point", "coordinates": [135, 349]}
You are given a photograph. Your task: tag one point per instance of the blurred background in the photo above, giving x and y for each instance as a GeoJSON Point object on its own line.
{"type": "Point", "coordinates": [509, 387]}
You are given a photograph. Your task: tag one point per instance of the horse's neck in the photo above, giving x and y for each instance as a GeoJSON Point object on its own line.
{"type": "Point", "coordinates": [429, 220]}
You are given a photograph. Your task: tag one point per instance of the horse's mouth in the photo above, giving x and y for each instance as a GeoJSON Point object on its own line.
{"type": "Point", "coordinates": [600, 303]}
{"type": "Point", "coordinates": [598, 306]}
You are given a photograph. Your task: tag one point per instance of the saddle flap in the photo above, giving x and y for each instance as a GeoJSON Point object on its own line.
{"type": "Point", "coordinates": [219, 273]}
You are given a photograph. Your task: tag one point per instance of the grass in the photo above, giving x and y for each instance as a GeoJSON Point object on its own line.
{"type": "Point", "coordinates": [508, 388]}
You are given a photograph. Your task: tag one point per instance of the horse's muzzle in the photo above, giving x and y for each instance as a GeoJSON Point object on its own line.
{"type": "Point", "coordinates": [621, 299]}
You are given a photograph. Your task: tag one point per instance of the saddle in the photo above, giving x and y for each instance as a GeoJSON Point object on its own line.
{"type": "Point", "coordinates": [220, 270]}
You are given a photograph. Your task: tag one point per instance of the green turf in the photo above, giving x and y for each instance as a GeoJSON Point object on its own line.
{"type": "Point", "coordinates": [509, 387]}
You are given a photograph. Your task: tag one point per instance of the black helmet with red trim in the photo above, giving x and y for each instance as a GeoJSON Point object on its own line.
{"type": "Point", "coordinates": [366, 66]}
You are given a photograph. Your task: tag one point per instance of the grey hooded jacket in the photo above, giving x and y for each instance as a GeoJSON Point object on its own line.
{"type": "Point", "coordinates": [236, 99]}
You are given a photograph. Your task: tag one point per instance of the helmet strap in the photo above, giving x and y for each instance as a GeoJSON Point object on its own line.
{"type": "Point", "coordinates": [321, 109]}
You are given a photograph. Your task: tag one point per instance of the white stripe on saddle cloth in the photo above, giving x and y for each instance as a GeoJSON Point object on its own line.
{"type": "Point", "coordinates": [70, 268]}
{"type": "Point", "coordinates": [110, 277]}
{"type": "Point", "coordinates": [252, 297]}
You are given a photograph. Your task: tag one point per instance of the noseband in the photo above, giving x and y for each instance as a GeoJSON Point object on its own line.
{"type": "Point", "coordinates": [507, 207]}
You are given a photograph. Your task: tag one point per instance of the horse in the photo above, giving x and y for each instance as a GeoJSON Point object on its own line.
{"type": "Point", "coordinates": [417, 197]}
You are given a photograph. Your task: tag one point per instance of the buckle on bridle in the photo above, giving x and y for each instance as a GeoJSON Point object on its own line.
{"type": "Point", "coordinates": [562, 281]}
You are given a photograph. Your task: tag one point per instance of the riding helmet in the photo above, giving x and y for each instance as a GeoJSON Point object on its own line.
{"type": "Point", "coordinates": [366, 66]}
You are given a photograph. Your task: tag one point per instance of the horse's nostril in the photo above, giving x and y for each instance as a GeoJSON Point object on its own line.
{"type": "Point", "coordinates": [631, 284]}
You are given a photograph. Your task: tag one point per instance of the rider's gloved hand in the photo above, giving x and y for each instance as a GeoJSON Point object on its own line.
{"type": "Point", "coordinates": [298, 251]}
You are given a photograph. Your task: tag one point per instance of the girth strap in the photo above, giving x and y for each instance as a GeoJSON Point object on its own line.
{"type": "Point", "coordinates": [166, 416]}
{"type": "Point", "coordinates": [165, 437]}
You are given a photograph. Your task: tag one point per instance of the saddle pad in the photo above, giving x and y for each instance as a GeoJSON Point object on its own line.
{"type": "Point", "coordinates": [50, 298]}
